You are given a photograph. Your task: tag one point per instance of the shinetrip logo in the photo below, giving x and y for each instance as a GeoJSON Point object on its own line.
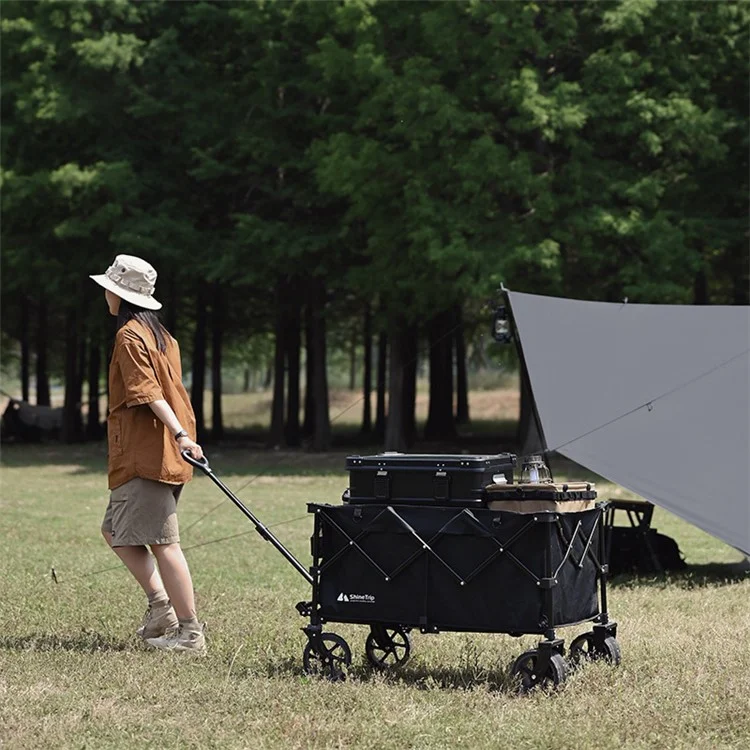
{"type": "Point", "coordinates": [356, 598]}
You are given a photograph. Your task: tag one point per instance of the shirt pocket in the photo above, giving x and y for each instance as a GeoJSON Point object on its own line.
{"type": "Point", "coordinates": [114, 436]}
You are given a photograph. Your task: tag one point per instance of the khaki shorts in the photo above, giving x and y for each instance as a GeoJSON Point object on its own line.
{"type": "Point", "coordinates": [142, 512]}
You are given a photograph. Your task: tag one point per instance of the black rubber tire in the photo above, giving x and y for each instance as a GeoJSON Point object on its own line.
{"type": "Point", "coordinates": [340, 654]}
{"type": "Point", "coordinates": [392, 655]}
{"type": "Point", "coordinates": [583, 648]}
{"type": "Point", "coordinates": [524, 670]}
{"type": "Point", "coordinates": [611, 651]}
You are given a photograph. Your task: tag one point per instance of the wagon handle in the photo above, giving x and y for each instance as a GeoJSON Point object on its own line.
{"type": "Point", "coordinates": [259, 527]}
{"type": "Point", "coordinates": [199, 464]}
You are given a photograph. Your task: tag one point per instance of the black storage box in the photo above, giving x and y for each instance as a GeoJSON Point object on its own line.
{"type": "Point", "coordinates": [434, 479]}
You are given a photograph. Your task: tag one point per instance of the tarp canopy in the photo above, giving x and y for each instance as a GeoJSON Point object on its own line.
{"type": "Point", "coordinates": [655, 398]}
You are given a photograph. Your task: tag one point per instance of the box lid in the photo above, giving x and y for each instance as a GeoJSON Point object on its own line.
{"type": "Point", "coordinates": [455, 460]}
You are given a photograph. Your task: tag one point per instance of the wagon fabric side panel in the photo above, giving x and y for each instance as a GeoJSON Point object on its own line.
{"type": "Point", "coordinates": [456, 569]}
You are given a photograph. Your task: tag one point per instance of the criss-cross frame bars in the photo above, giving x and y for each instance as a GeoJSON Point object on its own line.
{"type": "Point", "coordinates": [588, 550]}
{"type": "Point", "coordinates": [427, 546]}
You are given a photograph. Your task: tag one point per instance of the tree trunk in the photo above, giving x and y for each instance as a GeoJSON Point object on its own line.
{"type": "Point", "coordinates": [322, 429]}
{"type": "Point", "coordinates": [308, 426]}
{"type": "Point", "coordinates": [109, 346]}
{"type": "Point", "coordinates": [276, 436]}
{"type": "Point", "coordinates": [380, 416]}
{"type": "Point", "coordinates": [440, 423]}
{"type": "Point", "coordinates": [353, 360]}
{"type": "Point", "coordinates": [399, 423]}
{"type": "Point", "coordinates": [199, 362]}
{"type": "Point", "coordinates": [740, 291]}
{"type": "Point", "coordinates": [246, 381]}
{"type": "Point", "coordinates": [170, 319]}
{"type": "Point", "coordinates": [81, 368]}
{"type": "Point", "coordinates": [93, 430]}
{"type": "Point", "coordinates": [293, 436]}
{"type": "Point", "coordinates": [25, 348]}
{"type": "Point", "coordinates": [42, 378]}
{"type": "Point", "coordinates": [740, 275]}
{"type": "Point", "coordinates": [71, 421]}
{"type": "Point", "coordinates": [411, 366]}
{"type": "Point", "coordinates": [367, 375]}
{"type": "Point", "coordinates": [700, 288]}
{"type": "Point", "coordinates": [462, 387]}
{"type": "Point", "coordinates": [217, 342]}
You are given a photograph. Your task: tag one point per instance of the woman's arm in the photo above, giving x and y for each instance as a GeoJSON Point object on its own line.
{"type": "Point", "coordinates": [164, 412]}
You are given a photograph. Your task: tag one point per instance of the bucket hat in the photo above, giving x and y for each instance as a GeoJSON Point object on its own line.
{"type": "Point", "coordinates": [131, 278]}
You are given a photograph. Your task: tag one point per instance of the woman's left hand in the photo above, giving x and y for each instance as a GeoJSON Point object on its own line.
{"type": "Point", "coordinates": [186, 444]}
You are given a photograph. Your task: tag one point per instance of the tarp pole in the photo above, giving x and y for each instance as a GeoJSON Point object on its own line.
{"type": "Point", "coordinates": [525, 374]}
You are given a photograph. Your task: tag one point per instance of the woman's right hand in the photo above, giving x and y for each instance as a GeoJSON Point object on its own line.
{"type": "Point", "coordinates": [186, 444]}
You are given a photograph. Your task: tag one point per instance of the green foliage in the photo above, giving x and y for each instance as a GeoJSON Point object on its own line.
{"type": "Point", "coordinates": [411, 155]}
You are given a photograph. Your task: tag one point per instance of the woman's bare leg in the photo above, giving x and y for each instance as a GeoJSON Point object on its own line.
{"type": "Point", "coordinates": [176, 577]}
{"type": "Point", "coordinates": [140, 563]}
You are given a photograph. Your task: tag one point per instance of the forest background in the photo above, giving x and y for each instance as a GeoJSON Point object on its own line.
{"type": "Point", "coordinates": [342, 186]}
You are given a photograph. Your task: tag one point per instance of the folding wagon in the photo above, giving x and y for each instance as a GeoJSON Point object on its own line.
{"type": "Point", "coordinates": [448, 543]}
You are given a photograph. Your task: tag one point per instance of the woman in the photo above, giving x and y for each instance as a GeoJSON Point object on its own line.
{"type": "Point", "coordinates": [150, 422]}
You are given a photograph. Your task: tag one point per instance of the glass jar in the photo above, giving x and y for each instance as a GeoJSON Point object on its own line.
{"type": "Point", "coordinates": [534, 470]}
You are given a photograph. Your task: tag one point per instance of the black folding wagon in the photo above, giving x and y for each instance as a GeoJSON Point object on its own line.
{"type": "Point", "coordinates": [448, 543]}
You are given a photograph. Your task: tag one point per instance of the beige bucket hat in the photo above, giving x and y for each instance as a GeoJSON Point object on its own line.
{"type": "Point", "coordinates": [131, 278]}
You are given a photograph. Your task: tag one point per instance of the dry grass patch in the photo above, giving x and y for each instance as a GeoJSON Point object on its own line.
{"type": "Point", "coordinates": [73, 675]}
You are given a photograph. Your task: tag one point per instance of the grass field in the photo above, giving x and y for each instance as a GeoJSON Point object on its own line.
{"type": "Point", "coordinates": [73, 675]}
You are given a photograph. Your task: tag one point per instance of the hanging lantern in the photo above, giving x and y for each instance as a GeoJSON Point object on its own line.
{"type": "Point", "coordinates": [501, 326]}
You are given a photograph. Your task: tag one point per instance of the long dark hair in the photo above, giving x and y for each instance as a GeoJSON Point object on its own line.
{"type": "Point", "coordinates": [148, 318]}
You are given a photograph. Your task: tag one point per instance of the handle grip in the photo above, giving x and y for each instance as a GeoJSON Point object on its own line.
{"type": "Point", "coordinates": [202, 464]}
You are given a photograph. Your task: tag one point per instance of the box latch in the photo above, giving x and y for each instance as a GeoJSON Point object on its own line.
{"type": "Point", "coordinates": [382, 486]}
{"type": "Point", "coordinates": [442, 486]}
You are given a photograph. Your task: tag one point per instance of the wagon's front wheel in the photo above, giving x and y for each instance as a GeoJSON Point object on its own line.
{"type": "Point", "coordinates": [530, 672]}
{"type": "Point", "coordinates": [330, 661]}
{"type": "Point", "coordinates": [388, 648]}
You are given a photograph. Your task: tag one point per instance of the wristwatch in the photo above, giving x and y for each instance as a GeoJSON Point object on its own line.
{"type": "Point", "coordinates": [181, 434]}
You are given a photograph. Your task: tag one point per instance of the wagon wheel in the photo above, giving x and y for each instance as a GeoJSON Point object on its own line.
{"type": "Point", "coordinates": [388, 648]}
{"type": "Point", "coordinates": [331, 664]}
{"type": "Point", "coordinates": [525, 668]}
{"type": "Point", "coordinates": [584, 647]}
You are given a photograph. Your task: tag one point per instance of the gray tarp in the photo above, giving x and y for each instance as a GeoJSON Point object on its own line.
{"type": "Point", "coordinates": [655, 398]}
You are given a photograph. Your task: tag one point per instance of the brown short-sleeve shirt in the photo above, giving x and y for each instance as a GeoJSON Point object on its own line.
{"type": "Point", "coordinates": [139, 443]}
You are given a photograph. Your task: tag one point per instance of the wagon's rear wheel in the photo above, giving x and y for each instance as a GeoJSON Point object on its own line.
{"type": "Point", "coordinates": [584, 647]}
{"type": "Point", "coordinates": [527, 669]}
{"type": "Point", "coordinates": [388, 648]}
{"type": "Point", "coordinates": [332, 662]}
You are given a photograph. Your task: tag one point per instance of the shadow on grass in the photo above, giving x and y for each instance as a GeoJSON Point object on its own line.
{"type": "Point", "coordinates": [694, 577]}
{"type": "Point", "coordinates": [423, 677]}
{"type": "Point", "coordinates": [83, 642]}
{"type": "Point", "coordinates": [413, 675]}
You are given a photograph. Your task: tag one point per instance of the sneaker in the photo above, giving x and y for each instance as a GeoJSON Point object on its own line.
{"type": "Point", "coordinates": [157, 621]}
{"type": "Point", "coordinates": [182, 638]}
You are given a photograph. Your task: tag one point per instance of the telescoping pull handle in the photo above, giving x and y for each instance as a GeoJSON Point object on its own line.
{"type": "Point", "coordinates": [201, 464]}
{"type": "Point", "coordinates": [260, 528]}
